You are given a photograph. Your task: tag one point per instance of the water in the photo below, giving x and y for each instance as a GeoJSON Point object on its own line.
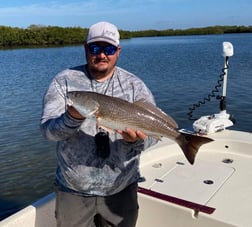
{"type": "Point", "coordinates": [180, 71]}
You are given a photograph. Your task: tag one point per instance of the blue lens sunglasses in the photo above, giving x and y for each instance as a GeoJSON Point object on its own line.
{"type": "Point", "coordinates": [107, 50]}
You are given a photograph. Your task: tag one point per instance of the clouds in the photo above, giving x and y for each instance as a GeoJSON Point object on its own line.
{"type": "Point", "coordinates": [47, 13]}
{"type": "Point", "coordinates": [49, 8]}
{"type": "Point", "coordinates": [65, 13]}
{"type": "Point", "coordinates": [127, 15]}
{"type": "Point", "coordinates": [66, 8]}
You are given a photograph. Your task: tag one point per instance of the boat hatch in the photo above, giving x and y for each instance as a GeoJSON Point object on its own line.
{"type": "Point", "coordinates": [190, 185]}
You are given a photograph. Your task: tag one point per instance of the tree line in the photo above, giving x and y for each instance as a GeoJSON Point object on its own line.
{"type": "Point", "coordinates": [38, 35]}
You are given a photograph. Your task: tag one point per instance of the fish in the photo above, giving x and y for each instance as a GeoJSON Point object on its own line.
{"type": "Point", "coordinates": [114, 113]}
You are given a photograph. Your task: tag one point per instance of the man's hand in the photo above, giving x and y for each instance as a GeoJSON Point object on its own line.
{"type": "Point", "coordinates": [131, 136]}
{"type": "Point", "coordinates": [74, 113]}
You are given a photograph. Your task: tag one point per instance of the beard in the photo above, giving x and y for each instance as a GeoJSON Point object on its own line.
{"type": "Point", "coordinates": [100, 68]}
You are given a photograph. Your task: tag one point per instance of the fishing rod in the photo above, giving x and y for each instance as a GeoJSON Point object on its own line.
{"type": "Point", "coordinates": [220, 121]}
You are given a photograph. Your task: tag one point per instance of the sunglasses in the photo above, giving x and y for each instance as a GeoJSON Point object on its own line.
{"type": "Point", "coordinates": [107, 50]}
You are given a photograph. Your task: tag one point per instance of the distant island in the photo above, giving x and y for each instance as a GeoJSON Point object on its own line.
{"type": "Point", "coordinates": [39, 35]}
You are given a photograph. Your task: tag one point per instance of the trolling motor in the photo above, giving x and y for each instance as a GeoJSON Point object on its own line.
{"type": "Point", "coordinates": [220, 121]}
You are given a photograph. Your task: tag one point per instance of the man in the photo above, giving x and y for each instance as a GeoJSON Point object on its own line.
{"type": "Point", "coordinates": [97, 171]}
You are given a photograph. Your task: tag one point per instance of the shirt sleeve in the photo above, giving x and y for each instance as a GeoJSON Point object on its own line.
{"type": "Point", "coordinates": [56, 124]}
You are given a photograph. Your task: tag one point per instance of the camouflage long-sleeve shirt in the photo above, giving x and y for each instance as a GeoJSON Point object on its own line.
{"type": "Point", "coordinates": [80, 169]}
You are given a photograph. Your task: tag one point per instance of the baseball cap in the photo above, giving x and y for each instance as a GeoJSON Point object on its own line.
{"type": "Point", "coordinates": [103, 31]}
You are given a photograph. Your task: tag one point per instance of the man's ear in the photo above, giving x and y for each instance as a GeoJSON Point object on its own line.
{"type": "Point", "coordinates": [85, 48]}
{"type": "Point", "coordinates": [119, 50]}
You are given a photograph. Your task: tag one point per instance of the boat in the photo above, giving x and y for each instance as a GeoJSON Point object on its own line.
{"type": "Point", "coordinates": [215, 191]}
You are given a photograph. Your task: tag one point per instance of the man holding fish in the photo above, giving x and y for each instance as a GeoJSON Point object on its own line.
{"type": "Point", "coordinates": [97, 171]}
{"type": "Point", "coordinates": [102, 118]}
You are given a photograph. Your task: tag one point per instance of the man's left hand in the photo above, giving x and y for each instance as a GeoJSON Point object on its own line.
{"type": "Point", "coordinates": [131, 136]}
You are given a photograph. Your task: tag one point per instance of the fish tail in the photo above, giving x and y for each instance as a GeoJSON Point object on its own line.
{"type": "Point", "coordinates": [190, 145]}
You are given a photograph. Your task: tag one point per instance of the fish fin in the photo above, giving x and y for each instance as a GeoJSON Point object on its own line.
{"type": "Point", "coordinates": [156, 111]}
{"type": "Point", "coordinates": [87, 114]}
{"type": "Point", "coordinates": [109, 130]}
{"type": "Point", "coordinates": [190, 144]}
{"type": "Point", "coordinates": [159, 138]}
{"type": "Point", "coordinates": [69, 102]}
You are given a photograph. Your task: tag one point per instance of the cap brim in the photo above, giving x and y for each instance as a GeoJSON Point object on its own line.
{"type": "Point", "coordinates": [102, 39]}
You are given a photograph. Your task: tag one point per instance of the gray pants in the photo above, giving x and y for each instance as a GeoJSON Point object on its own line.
{"type": "Point", "coordinates": [119, 210]}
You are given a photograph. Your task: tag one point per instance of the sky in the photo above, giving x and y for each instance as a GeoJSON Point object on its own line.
{"type": "Point", "coordinates": [129, 15]}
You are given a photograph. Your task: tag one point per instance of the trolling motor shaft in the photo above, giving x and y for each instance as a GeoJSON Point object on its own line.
{"type": "Point", "coordinates": [222, 120]}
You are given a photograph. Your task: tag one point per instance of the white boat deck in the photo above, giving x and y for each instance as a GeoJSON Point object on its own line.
{"type": "Point", "coordinates": [215, 191]}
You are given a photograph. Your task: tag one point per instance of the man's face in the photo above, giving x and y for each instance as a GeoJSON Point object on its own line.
{"type": "Point", "coordinates": [101, 58]}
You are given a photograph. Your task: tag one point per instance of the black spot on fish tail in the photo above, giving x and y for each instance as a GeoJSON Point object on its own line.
{"type": "Point", "coordinates": [190, 145]}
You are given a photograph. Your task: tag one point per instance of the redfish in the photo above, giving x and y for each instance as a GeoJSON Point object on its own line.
{"type": "Point", "coordinates": [115, 113]}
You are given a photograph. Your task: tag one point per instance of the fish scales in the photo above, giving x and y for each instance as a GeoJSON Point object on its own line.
{"type": "Point", "coordinates": [119, 114]}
